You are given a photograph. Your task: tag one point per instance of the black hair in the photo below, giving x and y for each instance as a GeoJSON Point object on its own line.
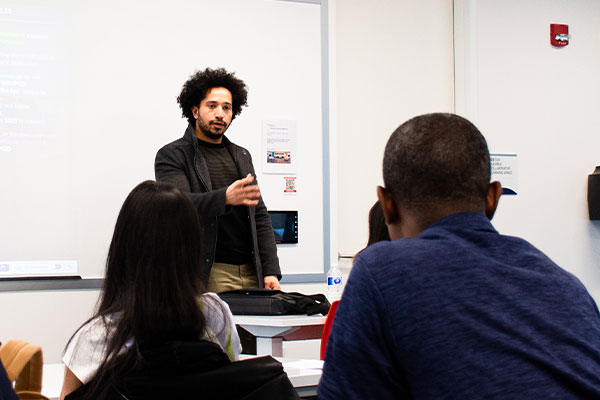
{"type": "Point", "coordinates": [195, 88]}
{"type": "Point", "coordinates": [436, 157]}
{"type": "Point", "coordinates": [152, 281]}
{"type": "Point", "coordinates": [378, 230]}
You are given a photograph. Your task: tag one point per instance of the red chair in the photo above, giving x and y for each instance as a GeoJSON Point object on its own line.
{"type": "Point", "coordinates": [327, 327]}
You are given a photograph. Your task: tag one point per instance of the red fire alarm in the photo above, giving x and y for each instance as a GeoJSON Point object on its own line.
{"type": "Point", "coordinates": [559, 35]}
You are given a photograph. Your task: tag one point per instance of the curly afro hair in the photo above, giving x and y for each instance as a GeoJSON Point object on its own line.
{"type": "Point", "coordinates": [195, 89]}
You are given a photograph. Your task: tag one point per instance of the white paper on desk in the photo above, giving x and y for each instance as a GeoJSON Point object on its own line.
{"type": "Point", "coordinates": [304, 364]}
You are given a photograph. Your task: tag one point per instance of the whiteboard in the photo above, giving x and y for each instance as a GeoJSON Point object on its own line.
{"type": "Point", "coordinates": [88, 95]}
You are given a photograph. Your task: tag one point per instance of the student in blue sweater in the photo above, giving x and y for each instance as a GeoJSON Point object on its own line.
{"type": "Point", "coordinates": [450, 308]}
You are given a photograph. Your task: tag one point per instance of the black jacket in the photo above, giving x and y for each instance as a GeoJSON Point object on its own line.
{"type": "Point", "coordinates": [6, 387]}
{"type": "Point", "coordinates": [197, 370]}
{"type": "Point", "coordinates": [181, 164]}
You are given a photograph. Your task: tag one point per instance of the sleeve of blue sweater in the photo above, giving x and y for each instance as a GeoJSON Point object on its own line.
{"type": "Point", "coordinates": [359, 362]}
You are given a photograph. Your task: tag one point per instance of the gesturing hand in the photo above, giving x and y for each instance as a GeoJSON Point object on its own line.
{"type": "Point", "coordinates": [242, 193]}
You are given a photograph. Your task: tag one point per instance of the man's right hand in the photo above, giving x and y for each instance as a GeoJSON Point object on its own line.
{"type": "Point", "coordinates": [242, 193]}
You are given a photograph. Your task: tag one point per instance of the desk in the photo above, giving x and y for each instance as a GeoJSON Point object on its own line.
{"type": "Point", "coordinates": [52, 380]}
{"type": "Point", "coordinates": [271, 330]}
{"type": "Point", "coordinates": [304, 375]}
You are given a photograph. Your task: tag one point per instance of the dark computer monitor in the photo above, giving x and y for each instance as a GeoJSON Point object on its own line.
{"type": "Point", "coordinates": [285, 226]}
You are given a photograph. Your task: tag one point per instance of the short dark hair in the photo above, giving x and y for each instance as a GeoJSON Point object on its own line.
{"type": "Point", "coordinates": [436, 157]}
{"type": "Point", "coordinates": [196, 87]}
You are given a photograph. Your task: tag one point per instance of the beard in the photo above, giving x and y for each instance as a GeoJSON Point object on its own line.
{"type": "Point", "coordinates": [213, 136]}
{"type": "Point", "coordinates": [211, 131]}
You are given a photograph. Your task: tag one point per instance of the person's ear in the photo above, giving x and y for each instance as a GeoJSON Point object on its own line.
{"type": "Point", "coordinates": [195, 111]}
{"type": "Point", "coordinates": [492, 198]}
{"type": "Point", "coordinates": [388, 206]}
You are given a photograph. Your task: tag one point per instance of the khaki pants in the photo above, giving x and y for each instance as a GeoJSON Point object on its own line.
{"type": "Point", "coordinates": [225, 277]}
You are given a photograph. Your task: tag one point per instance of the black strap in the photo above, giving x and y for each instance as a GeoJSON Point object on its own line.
{"type": "Point", "coordinates": [311, 303]}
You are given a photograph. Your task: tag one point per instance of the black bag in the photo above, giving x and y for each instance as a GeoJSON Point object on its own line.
{"type": "Point", "coordinates": [274, 302]}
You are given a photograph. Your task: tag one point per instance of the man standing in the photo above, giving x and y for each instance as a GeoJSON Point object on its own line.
{"type": "Point", "coordinates": [451, 309]}
{"type": "Point", "coordinates": [239, 245]}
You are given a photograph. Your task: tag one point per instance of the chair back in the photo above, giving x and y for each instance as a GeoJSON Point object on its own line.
{"type": "Point", "coordinates": [327, 327]}
{"type": "Point", "coordinates": [24, 364]}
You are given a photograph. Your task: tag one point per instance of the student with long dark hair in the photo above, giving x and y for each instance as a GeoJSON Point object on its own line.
{"type": "Point", "coordinates": [378, 230]}
{"type": "Point", "coordinates": [152, 293]}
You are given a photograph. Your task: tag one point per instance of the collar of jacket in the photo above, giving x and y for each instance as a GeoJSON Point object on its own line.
{"type": "Point", "coordinates": [240, 160]}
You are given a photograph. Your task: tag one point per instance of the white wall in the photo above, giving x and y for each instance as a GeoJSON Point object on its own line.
{"type": "Point", "coordinates": [394, 61]}
{"type": "Point", "coordinates": [46, 318]}
{"type": "Point", "coordinates": [541, 103]}
{"type": "Point", "coordinates": [391, 61]}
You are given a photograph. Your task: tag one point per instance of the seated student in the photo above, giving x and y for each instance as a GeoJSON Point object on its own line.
{"type": "Point", "coordinates": [451, 309]}
{"type": "Point", "coordinates": [152, 293]}
{"type": "Point", "coordinates": [6, 387]}
{"type": "Point", "coordinates": [377, 228]}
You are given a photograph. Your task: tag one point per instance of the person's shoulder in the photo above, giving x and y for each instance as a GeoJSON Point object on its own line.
{"type": "Point", "coordinates": [213, 306]}
{"type": "Point", "coordinates": [182, 142]}
{"type": "Point", "coordinates": [175, 144]}
{"type": "Point", "coordinates": [175, 152]}
{"type": "Point", "coordinates": [521, 249]}
{"type": "Point", "coordinates": [96, 323]}
{"type": "Point", "coordinates": [396, 251]}
{"type": "Point", "coordinates": [536, 259]}
{"type": "Point", "coordinates": [400, 265]}
{"type": "Point", "coordinates": [98, 328]}
{"type": "Point", "coordinates": [210, 298]}
{"type": "Point", "coordinates": [90, 336]}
